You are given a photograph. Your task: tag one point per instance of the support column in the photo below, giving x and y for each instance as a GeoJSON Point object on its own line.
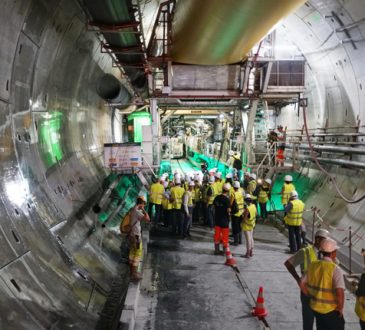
{"type": "Point", "coordinates": [156, 149]}
{"type": "Point", "coordinates": [249, 133]}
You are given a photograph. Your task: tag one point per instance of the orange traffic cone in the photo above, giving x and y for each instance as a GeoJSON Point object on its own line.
{"type": "Point", "coordinates": [230, 261]}
{"type": "Point", "coordinates": [260, 310]}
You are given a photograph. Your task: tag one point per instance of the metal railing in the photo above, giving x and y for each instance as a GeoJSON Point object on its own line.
{"type": "Point", "coordinates": [271, 159]}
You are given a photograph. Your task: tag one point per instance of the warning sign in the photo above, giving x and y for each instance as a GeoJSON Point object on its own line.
{"type": "Point", "coordinates": [122, 155]}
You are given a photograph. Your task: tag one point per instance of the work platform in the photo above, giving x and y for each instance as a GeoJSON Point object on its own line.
{"type": "Point", "coordinates": [185, 286]}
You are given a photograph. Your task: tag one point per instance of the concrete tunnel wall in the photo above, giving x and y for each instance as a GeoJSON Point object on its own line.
{"type": "Point", "coordinates": [53, 126]}
{"type": "Point", "coordinates": [335, 81]}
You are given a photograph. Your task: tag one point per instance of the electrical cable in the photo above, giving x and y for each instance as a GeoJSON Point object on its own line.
{"type": "Point", "coordinates": [314, 157]}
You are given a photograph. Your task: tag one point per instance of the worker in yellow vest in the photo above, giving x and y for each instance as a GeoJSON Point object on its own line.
{"type": "Point", "coordinates": [263, 197]}
{"type": "Point", "coordinates": [324, 284]}
{"type": "Point", "coordinates": [248, 224]}
{"type": "Point", "coordinates": [156, 194]}
{"type": "Point", "coordinates": [188, 205]}
{"type": "Point", "coordinates": [167, 205]}
{"type": "Point", "coordinates": [177, 193]}
{"type": "Point", "coordinates": [211, 193]}
{"type": "Point", "coordinates": [219, 183]}
{"type": "Point", "coordinates": [251, 188]}
{"type": "Point", "coordinates": [198, 200]}
{"type": "Point", "coordinates": [287, 188]}
{"type": "Point", "coordinates": [303, 258]}
{"type": "Point", "coordinates": [360, 298]}
{"type": "Point", "coordinates": [136, 215]}
{"type": "Point", "coordinates": [236, 212]}
{"type": "Point", "coordinates": [294, 217]}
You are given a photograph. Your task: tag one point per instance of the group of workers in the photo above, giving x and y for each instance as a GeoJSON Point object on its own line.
{"type": "Point", "coordinates": [205, 197]}
{"type": "Point", "coordinates": [321, 282]}
{"type": "Point", "coordinates": [216, 201]}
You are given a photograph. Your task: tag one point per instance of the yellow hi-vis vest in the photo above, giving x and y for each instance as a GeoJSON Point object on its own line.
{"type": "Point", "coordinates": [251, 188]}
{"type": "Point", "coordinates": [288, 188]}
{"type": "Point", "coordinates": [219, 187]}
{"type": "Point", "coordinates": [166, 204]}
{"type": "Point", "coordinates": [210, 199]}
{"type": "Point", "coordinates": [263, 195]}
{"type": "Point", "coordinates": [190, 198]}
{"type": "Point", "coordinates": [249, 224]}
{"type": "Point", "coordinates": [295, 215]}
{"type": "Point", "coordinates": [239, 200]}
{"type": "Point", "coordinates": [177, 194]}
{"type": "Point", "coordinates": [360, 308]}
{"type": "Point", "coordinates": [197, 194]}
{"type": "Point", "coordinates": [156, 193]}
{"type": "Point", "coordinates": [322, 295]}
{"type": "Point", "coordinates": [309, 255]}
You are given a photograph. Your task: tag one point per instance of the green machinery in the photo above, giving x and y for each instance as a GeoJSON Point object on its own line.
{"type": "Point", "coordinates": [135, 122]}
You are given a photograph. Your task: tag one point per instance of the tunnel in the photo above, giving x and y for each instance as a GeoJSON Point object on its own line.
{"type": "Point", "coordinates": [74, 74]}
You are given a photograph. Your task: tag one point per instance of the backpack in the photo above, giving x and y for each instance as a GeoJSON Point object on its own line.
{"type": "Point", "coordinates": [234, 207]}
{"type": "Point", "coordinates": [237, 164]}
{"type": "Point", "coordinates": [125, 226]}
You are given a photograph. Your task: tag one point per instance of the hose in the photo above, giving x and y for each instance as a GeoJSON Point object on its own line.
{"type": "Point", "coordinates": [314, 157]}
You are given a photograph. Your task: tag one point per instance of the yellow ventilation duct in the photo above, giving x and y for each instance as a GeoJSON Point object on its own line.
{"type": "Point", "coordinates": [213, 32]}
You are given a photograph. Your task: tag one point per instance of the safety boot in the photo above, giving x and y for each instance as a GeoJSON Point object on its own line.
{"type": "Point", "coordinates": [135, 275]}
{"type": "Point", "coordinates": [247, 255]}
{"type": "Point", "coordinates": [251, 252]}
{"type": "Point", "coordinates": [216, 250]}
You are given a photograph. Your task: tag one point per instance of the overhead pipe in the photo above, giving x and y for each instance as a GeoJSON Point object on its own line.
{"type": "Point", "coordinates": [232, 102]}
{"type": "Point", "coordinates": [346, 150]}
{"type": "Point", "coordinates": [217, 32]}
{"type": "Point", "coordinates": [110, 89]}
{"type": "Point", "coordinates": [341, 162]}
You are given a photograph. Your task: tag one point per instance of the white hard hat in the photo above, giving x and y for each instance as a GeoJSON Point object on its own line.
{"type": "Point", "coordinates": [294, 194]}
{"type": "Point", "coordinates": [218, 175]}
{"type": "Point", "coordinates": [328, 245]}
{"type": "Point", "coordinates": [191, 184]}
{"type": "Point", "coordinates": [248, 196]}
{"type": "Point", "coordinates": [253, 176]}
{"type": "Point", "coordinates": [177, 180]}
{"type": "Point", "coordinates": [288, 178]}
{"type": "Point", "coordinates": [187, 177]}
{"type": "Point", "coordinates": [236, 184]}
{"type": "Point", "coordinates": [229, 176]}
{"type": "Point", "coordinates": [226, 187]}
{"type": "Point", "coordinates": [324, 233]}
{"type": "Point", "coordinates": [268, 181]}
{"type": "Point", "coordinates": [230, 153]}
{"type": "Point", "coordinates": [211, 179]}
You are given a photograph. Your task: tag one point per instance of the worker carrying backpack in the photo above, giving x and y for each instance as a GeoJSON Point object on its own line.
{"type": "Point", "coordinates": [125, 225]}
